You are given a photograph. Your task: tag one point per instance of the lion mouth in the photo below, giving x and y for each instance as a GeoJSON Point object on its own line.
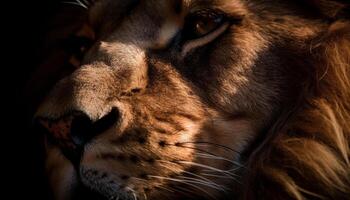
{"type": "Point", "coordinates": [84, 192]}
{"type": "Point", "coordinates": [106, 184]}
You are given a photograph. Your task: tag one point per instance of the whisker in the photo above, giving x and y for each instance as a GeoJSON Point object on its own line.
{"type": "Point", "coordinates": [77, 3]}
{"type": "Point", "coordinates": [219, 176]}
{"type": "Point", "coordinates": [210, 169]}
{"type": "Point", "coordinates": [211, 154]}
{"type": "Point", "coordinates": [232, 176]}
{"type": "Point", "coordinates": [229, 172]}
{"type": "Point", "coordinates": [190, 183]}
{"type": "Point", "coordinates": [219, 158]}
{"type": "Point", "coordinates": [86, 2]}
{"type": "Point", "coordinates": [194, 181]}
{"type": "Point", "coordinates": [165, 188]}
{"type": "Point", "coordinates": [194, 148]}
{"type": "Point", "coordinates": [207, 183]}
{"type": "Point", "coordinates": [138, 179]}
{"type": "Point", "coordinates": [201, 150]}
{"type": "Point", "coordinates": [235, 169]}
{"type": "Point", "coordinates": [206, 167]}
{"type": "Point", "coordinates": [213, 144]}
{"type": "Point", "coordinates": [173, 190]}
{"type": "Point", "coordinates": [133, 192]}
{"type": "Point", "coordinates": [165, 195]}
{"type": "Point", "coordinates": [201, 178]}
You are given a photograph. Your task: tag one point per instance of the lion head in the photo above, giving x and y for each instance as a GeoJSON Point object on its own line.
{"type": "Point", "coordinates": [188, 99]}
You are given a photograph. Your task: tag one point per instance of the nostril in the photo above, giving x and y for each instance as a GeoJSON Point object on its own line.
{"type": "Point", "coordinates": [106, 122]}
{"type": "Point", "coordinates": [77, 128]}
{"type": "Point", "coordinates": [71, 132]}
{"type": "Point", "coordinates": [81, 129]}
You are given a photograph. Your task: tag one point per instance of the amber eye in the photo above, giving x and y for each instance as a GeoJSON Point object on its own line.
{"type": "Point", "coordinates": [201, 23]}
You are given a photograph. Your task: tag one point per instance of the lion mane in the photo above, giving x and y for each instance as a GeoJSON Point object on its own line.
{"type": "Point", "coordinates": [310, 144]}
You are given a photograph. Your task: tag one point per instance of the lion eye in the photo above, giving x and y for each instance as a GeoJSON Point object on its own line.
{"type": "Point", "coordinates": [202, 23]}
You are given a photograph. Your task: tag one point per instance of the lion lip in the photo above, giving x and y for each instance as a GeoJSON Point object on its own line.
{"type": "Point", "coordinates": [104, 184]}
{"type": "Point", "coordinates": [84, 192]}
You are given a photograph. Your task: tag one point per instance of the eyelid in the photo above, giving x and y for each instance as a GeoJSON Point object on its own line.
{"type": "Point", "coordinates": [192, 44]}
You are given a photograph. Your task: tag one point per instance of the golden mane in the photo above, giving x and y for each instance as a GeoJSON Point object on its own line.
{"type": "Point", "coordinates": [311, 144]}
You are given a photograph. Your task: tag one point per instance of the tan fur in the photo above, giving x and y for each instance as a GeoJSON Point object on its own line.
{"type": "Point", "coordinates": [257, 110]}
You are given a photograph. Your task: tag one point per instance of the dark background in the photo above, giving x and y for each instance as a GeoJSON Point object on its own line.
{"type": "Point", "coordinates": [25, 23]}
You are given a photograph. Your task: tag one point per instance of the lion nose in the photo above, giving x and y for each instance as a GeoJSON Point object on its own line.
{"type": "Point", "coordinates": [75, 130]}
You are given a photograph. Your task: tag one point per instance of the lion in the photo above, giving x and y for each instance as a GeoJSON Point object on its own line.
{"type": "Point", "coordinates": [197, 99]}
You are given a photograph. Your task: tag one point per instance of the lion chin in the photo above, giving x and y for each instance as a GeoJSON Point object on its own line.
{"type": "Point", "coordinates": [198, 99]}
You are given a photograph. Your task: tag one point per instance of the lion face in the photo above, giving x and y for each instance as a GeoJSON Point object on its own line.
{"type": "Point", "coordinates": [169, 97]}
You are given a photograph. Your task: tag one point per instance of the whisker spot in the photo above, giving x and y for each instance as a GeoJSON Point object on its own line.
{"type": "Point", "coordinates": [162, 143]}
